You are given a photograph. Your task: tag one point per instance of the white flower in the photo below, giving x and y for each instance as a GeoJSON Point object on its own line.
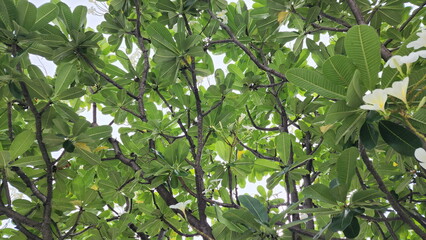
{"type": "Point", "coordinates": [412, 57]}
{"type": "Point", "coordinates": [399, 90]}
{"type": "Point", "coordinates": [420, 154]}
{"type": "Point", "coordinates": [394, 62]}
{"type": "Point", "coordinates": [222, 15]}
{"type": "Point", "coordinates": [420, 42]}
{"type": "Point", "coordinates": [375, 100]}
{"type": "Point", "coordinates": [180, 205]}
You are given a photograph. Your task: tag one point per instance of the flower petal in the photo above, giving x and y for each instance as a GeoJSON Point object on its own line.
{"type": "Point", "coordinates": [420, 154]}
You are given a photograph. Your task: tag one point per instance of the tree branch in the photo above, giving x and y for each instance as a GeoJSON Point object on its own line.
{"type": "Point", "coordinates": [29, 184]}
{"type": "Point", "coordinates": [256, 126]}
{"type": "Point", "coordinates": [246, 50]}
{"type": "Point", "coordinates": [393, 202]}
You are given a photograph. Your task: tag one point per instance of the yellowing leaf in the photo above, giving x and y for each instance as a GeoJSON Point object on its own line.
{"type": "Point", "coordinates": [395, 164]}
{"type": "Point", "coordinates": [240, 153]}
{"type": "Point", "coordinates": [100, 148]}
{"type": "Point", "coordinates": [325, 128]}
{"type": "Point", "coordinates": [76, 202]}
{"type": "Point", "coordinates": [95, 187]}
{"type": "Point", "coordinates": [82, 146]}
{"type": "Point", "coordinates": [282, 16]}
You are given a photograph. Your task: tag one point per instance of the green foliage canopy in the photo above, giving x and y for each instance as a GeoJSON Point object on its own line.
{"type": "Point", "coordinates": [186, 146]}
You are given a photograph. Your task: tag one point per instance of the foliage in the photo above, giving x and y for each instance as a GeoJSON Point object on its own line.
{"type": "Point", "coordinates": [186, 146]}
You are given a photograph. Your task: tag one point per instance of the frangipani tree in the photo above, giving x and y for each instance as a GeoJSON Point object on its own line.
{"type": "Point", "coordinates": [344, 138]}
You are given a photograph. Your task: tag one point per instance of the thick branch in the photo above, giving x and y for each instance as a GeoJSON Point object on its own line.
{"type": "Point", "coordinates": [19, 218]}
{"type": "Point", "coordinates": [145, 54]}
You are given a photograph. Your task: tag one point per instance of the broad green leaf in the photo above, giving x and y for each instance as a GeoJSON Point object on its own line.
{"type": "Point", "coordinates": [8, 12]}
{"type": "Point", "coordinates": [39, 88]}
{"type": "Point", "coordinates": [368, 135]}
{"type": "Point", "coordinates": [255, 207]}
{"type": "Point", "coordinates": [176, 152]}
{"type": "Point", "coordinates": [27, 14]}
{"type": "Point", "coordinates": [339, 69]}
{"type": "Point", "coordinates": [161, 37]}
{"type": "Point", "coordinates": [391, 12]}
{"type": "Point", "coordinates": [319, 192]}
{"type": "Point", "coordinates": [66, 74]}
{"type": "Point", "coordinates": [297, 222]}
{"type": "Point", "coordinates": [71, 93]}
{"type": "Point", "coordinates": [339, 111]}
{"type": "Point", "coordinates": [4, 158]}
{"type": "Point", "coordinates": [312, 15]}
{"type": "Point", "coordinates": [283, 146]}
{"type": "Point", "coordinates": [80, 126]}
{"type": "Point", "coordinates": [89, 157]}
{"type": "Point", "coordinates": [365, 195]}
{"type": "Point", "coordinates": [241, 216]}
{"type": "Point", "coordinates": [99, 132]}
{"type": "Point", "coordinates": [363, 48]}
{"type": "Point", "coordinates": [355, 91]}
{"type": "Point", "coordinates": [267, 164]}
{"type": "Point", "coordinates": [399, 138]}
{"type": "Point", "coordinates": [231, 225]}
{"type": "Point", "coordinates": [352, 231]}
{"type": "Point", "coordinates": [346, 164]}
{"type": "Point", "coordinates": [21, 143]}
{"type": "Point", "coordinates": [315, 82]}
{"type": "Point", "coordinates": [341, 221]}
{"type": "Point", "coordinates": [45, 14]}
{"type": "Point", "coordinates": [28, 161]}
{"type": "Point", "coordinates": [166, 5]}
{"type": "Point", "coordinates": [79, 17]}
{"type": "Point", "coordinates": [66, 112]}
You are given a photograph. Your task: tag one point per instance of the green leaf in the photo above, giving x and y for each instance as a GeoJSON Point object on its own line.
{"type": "Point", "coordinates": [166, 5]}
{"type": "Point", "coordinates": [89, 157]}
{"type": "Point", "coordinates": [365, 195]}
{"type": "Point", "coordinates": [267, 164]}
{"type": "Point", "coordinates": [346, 164]}
{"type": "Point", "coordinates": [341, 221]}
{"type": "Point", "coordinates": [45, 14]}
{"type": "Point", "coordinates": [241, 216]}
{"type": "Point", "coordinates": [68, 146]}
{"type": "Point", "coordinates": [79, 17]}
{"type": "Point", "coordinates": [339, 111]}
{"type": "Point", "coordinates": [283, 146]}
{"type": "Point", "coordinates": [4, 158]}
{"type": "Point", "coordinates": [71, 93]}
{"type": "Point", "coordinates": [231, 225]}
{"type": "Point", "coordinates": [27, 14]}
{"type": "Point", "coordinates": [21, 143]}
{"type": "Point", "coordinates": [319, 192]}
{"type": "Point", "coordinates": [355, 91]}
{"type": "Point", "coordinates": [80, 126]}
{"type": "Point", "coordinates": [399, 138]}
{"type": "Point", "coordinates": [66, 74]}
{"type": "Point", "coordinates": [161, 37]}
{"type": "Point", "coordinates": [339, 69]}
{"type": "Point", "coordinates": [99, 132]}
{"type": "Point", "coordinates": [176, 152]}
{"type": "Point", "coordinates": [255, 207]}
{"type": "Point", "coordinates": [352, 231]}
{"type": "Point", "coordinates": [315, 82]}
{"type": "Point", "coordinates": [312, 15]}
{"type": "Point", "coordinates": [368, 135]}
{"type": "Point", "coordinates": [363, 47]}
{"type": "Point", "coordinates": [29, 161]}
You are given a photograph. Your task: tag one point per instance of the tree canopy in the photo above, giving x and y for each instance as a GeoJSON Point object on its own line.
{"type": "Point", "coordinates": [325, 99]}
